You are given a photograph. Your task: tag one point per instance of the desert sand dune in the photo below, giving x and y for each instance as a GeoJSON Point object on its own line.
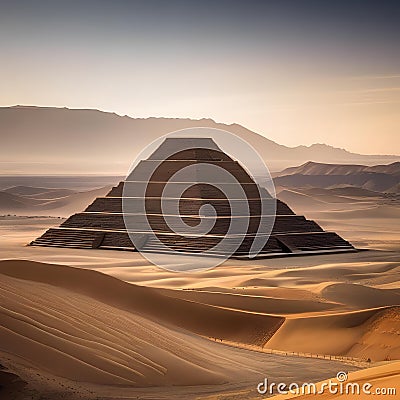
{"type": "Point", "coordinates": [366, 334]}
{"type": "Point", "coordinates": [375, 212]}
{"type": "Point", "coordinates": [11, 202]}
{"type": "Point", "coordinates": [72, 203]}
{"type": "Point", "coordinates": [76, 324]}
{"type": "Point", "coordinates": [221, 321]}
{"type": "Point", "coordinates": [52, 194]}
{"type": "Point", "coordinates": [360, 296]}
{"type": "Point", "coordinates": [82, 339]}
{"type": "Point", "coordinates": [39, 192]}
{"type": "Point", "coordinates": [348, 191]}
{"type": "Point", "coordinates": [23, 200]}
{"type": "Point", "coordinates": [199, 318]}
{"type": "Point", "coordinates": [299, 200]}
{"type": "Point", "coordinates": [253, 303]}
{"type": "Point", "coordinates": [327, 202]}
{"type": "Point", "coordinates": [348, 194]}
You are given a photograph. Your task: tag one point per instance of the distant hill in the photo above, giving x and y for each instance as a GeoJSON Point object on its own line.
{"type": "Point", "coordinates": [39, 192]}
{"type": "Point", "coordinates": [313, 168]}
{"type": "Point", "coordinates": [40, 201]}
{"type": "Point", "coordinates": [60, 140]}
{"type": "Point", "coordinates": [347, 191]}
{"type": "Point", "coordinates": [379, 178]}
{"type": "Point", "coordinates": [13, 203]}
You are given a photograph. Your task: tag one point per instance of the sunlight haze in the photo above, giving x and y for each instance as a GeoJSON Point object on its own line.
{"type": "Point", "coordinates": [292, 74]}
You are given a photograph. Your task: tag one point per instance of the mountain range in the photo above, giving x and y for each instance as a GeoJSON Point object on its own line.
{"type": "Point", "coordinates": [378, 178]}
{"type": "Point", "coordinates": [309, 186]}
{"type": "Point", "coordinates": [39, 140]}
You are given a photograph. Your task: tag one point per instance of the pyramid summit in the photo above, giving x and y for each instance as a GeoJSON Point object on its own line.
{"type": "Point", "coordinates": [189, 197]}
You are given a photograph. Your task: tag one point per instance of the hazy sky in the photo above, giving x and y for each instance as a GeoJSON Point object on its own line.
{"type": "Point", "coordinates": [298, 72]}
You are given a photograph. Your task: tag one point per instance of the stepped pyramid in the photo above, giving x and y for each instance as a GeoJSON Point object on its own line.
{"type": "Point", "coordinates": [102, 225]}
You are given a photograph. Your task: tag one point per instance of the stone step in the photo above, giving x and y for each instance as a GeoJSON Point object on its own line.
{"type": "Point", "coordinates": [69, 238]}
{"type": "Point", "coordinates": [69, 245]}
{"type": "Point", "coordinates": [187, 206]}
{"type": "Point", "coordinates": [100, 221]}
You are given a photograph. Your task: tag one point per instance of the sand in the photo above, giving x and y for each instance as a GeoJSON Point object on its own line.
{"type": "Point", "coordinates": [87, 327]}
{"type": "Point", "coordinates": [89, 324]}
